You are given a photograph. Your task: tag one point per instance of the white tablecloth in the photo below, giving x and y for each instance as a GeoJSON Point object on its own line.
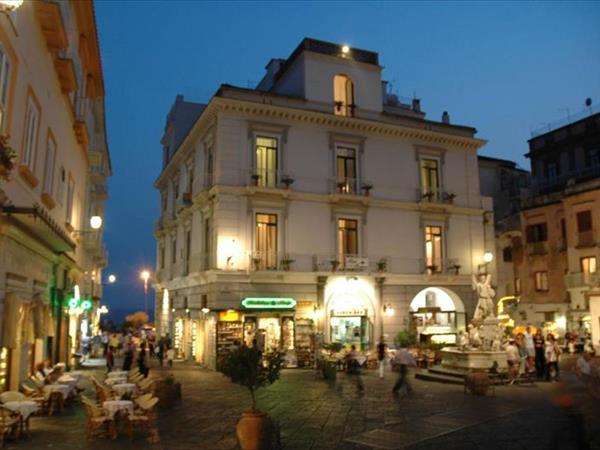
{"type": "Point", "coordinates": [124, 388]}
{"type": "Point", "coordinates": [112, 406]}
{"type": "Point", "coordinates": [62, 388]}
{"type": "Point", "coordinates": [118, 374]}
{"type": "Point", "coordinates": [115, 380]}
{"type": "Point", "coordinates": [24, 407]}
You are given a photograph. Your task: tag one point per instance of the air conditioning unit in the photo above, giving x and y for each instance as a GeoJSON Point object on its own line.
{"type": "Point", "coordinates": [356, 263]}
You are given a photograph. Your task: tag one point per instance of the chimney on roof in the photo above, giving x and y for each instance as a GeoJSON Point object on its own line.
{"type": "Point", "coordinates": [179, 98]}
{"type": "Point", "coordinates": [446, 117]}
{"type": "Point", "coordinates": [416, 104]}
{"type": "Point", "coordinates": [272, 68]}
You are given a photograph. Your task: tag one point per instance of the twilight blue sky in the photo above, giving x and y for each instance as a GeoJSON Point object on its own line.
{"type": "Point", "coordinates": [504, 68]}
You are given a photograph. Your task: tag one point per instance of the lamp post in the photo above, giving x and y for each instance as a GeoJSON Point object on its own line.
{"type": "Point", "coordinates": [488, 257]}
{"type": "Point", "coordinates": [145, 276]}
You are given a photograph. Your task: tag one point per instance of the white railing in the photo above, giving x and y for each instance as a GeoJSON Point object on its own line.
{"type": "Point", "coordinates": [581, 279]}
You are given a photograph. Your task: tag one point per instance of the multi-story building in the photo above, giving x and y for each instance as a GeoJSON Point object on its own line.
{"type": "Point", "coordinates": [556, 263]}
{"type": "Point", "coordinates": [507, 184]}
{"type": "Point", "coordinates": [52, 113]}
{"type": "Point", "coordinates": [316, 206]}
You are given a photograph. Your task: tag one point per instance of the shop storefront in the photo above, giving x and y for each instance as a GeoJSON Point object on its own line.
{"type": "Point", "coordinates": [437, 315]}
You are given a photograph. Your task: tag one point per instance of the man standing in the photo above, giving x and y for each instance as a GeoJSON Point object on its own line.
{"type": "Point", "coordinates": [381, 355]}
{"type": "Point", "coordinates": [403, 359]}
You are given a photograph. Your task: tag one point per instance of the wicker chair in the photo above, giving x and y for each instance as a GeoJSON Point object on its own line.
{"type": "Point", "coordinates": [144, 418]}
{"type": "Point", "coordinates": [97, 419]}
{"type": "Point", "coordinates": [35, 395]}
{"type": "Point", "coordinates": [9, 424]}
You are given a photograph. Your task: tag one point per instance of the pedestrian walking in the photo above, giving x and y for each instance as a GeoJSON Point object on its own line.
{"type": "Point", "coordinates": [110, 359]}
{"type": "Point", "coordinates": [552, 353]}
{"type": "Point", "coordinates": [161, 351]}
{"type": "Point", "coordinates": [513, 360]}
{"type": "Point", "coordinates": [170, 356]}
{"type": "Point", "coordinates": [403, 359]}
{"type": "Point", "coordinates": [529, 348]}
{"type": "Point", "coordinates": [128, 359]}
{"type": "Point", "coordinates": [381, 356]}
{"type": "Point", "coordinates": [353, 367]}
{"type": "Point", "coordinates": [540, 358]}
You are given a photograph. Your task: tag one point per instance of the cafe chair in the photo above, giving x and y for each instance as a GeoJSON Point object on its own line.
{"type": "Point", "coordinates": [98, 421]}
{"type": "Point", "coordinates": [9, 424]}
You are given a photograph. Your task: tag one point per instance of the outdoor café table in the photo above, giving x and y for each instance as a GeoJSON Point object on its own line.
{"type": "Point", "coordinates": [62, 388]}
{"type": "Point", "coordinates": [25, 408]}
{"type": "Point", "coordinates": [68, 380]}
{"type": "Point", "coordinates": [115, 380]}
{"type": "Point", "coordinates": [124, 389]}
{"type": "Point", "coordinates": [113, 407]}
{"type": "Point", "coordinates": [118, 374]}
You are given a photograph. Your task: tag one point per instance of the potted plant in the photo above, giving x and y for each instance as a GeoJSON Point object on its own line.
{"type": "Point", "coordinates": [287, 181]}
{"type": "Point", "coordinates": [286, 263]}
{"type": "Point", "coordinates": [382, 265]}
{"type": "Point", "coordinates": [255, 178]}
{"type": "Point", "coordinates": [334, 264]}
{"type": "Point", "coordinates": [405, 338]}
{"type": "Point", "coordinates": [328, 365]}
{"type": "Point", "coordinates": [248, 367]}
{"type": "Point", "coordinates": [449, 197]}
{"type": "Point", "coordinates": [427, 196]}
{"type": "Point", "coordinates": [168, 391]}
{"type": "Point", "coordinates": [367, 188]}
{"type": "Point", "coordinates": [456, 268]}
{"type": "Point", "coordinates": [431, 269]}
{"type": "Point", "coordinates": [256, 262]}
{"type": "Point", "coordinates": [7, 158]}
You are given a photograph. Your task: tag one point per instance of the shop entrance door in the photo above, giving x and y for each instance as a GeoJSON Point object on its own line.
{"type": "Point", "coordinates": [355, 330]}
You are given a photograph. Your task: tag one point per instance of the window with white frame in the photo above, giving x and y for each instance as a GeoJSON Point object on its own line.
{"type": "Point", "coordinates": [343, 96]}
{"type": "Point", "coordinates": [433, 248]}
{"type": "Point", "coordinates": [49, 166]}
{"type": "Point", "coordinates": [4, 82]}
{"type": "Point", "coordinates": [266, 242]}
{"type": "Point", "coordinates": [32, 117]}
{"type": "Point", "coordinates": [588, 264]}
{"type": "Point", "coordinates": [346, 170]}
{"type": "Point", "coordinates": [541, 281]}
{"type": "Point", "coordinates": [265, 171]}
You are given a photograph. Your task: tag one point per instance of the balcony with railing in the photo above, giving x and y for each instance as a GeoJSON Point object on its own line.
{"type": "Point", "coordinates": [434, 195]}
{"type": "Point", "coordinates": [269, 178]}
{"type": "Point", "coordinates": [581, 280]}
{"type": "Point", "coordinates": [585, 239]}
{"type": "Point", "coordinates": [537, 248]}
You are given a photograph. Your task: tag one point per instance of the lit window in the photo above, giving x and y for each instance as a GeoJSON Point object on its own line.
{"type": "Point", "coordinates": [343, 96]}
{"type": "Point", "coordinates": [541, 281]}
{"type": "Point", "coordinates": [430, 178]}
{"type": "Point", "coordinates": [70, 194]}
{"type": "Point", "coordinates": [266, 161]}
{"type": "Point", "coordinates": [588, 264]}
{"type": "Point", "coordinates": [517, 286]}
{"type": "Point", "coordinates": [346, 170]}
{"type": "Point", "coordinates": [347, 238]}
{"type": "Point", "coordinates": [433, 248]}
{"type": "Point", "coordinates": [31, 127]}
{"type": "Point", "coordinates": [4, 79]}
{"type": "Point", "coordinates": [266, 242]}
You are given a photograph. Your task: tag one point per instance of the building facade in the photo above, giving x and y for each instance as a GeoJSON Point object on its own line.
{"type": "Point", "coordinates": [315, 207]}
{"type": "Point", "coordinates": [52, 116]}
{"type": "Point", "coordinates": [556, 264]}
{"type": "Point", "coordinates": [507, 184]}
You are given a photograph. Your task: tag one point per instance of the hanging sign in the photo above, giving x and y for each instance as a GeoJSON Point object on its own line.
{"type": "Point", "coordinates": [229, 316]}
{"type": "Point", "coordinates": [268, 303]}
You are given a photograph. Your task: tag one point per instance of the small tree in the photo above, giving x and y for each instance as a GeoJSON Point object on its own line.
{"type": "Point", "coordinates": [248, 367]}
{"type": "Point", "coordinates": [405, 338]}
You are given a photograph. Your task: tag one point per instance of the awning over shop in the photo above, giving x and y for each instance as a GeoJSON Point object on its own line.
{"type": "Point", "coordinates": [39, 223]}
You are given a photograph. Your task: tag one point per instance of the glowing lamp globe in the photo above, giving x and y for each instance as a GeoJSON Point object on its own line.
{"type": "Point", "coordinates": [345, 49]}
{"type": "Point", "coordinates": [488, 257]}
{"type": "Point", "coordinates": [96, 222]}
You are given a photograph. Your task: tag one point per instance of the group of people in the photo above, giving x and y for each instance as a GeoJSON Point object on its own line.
{"type": "Point", "coordinates": [134, 349]}
{"type": "Point", "coordinates": [533, 355]}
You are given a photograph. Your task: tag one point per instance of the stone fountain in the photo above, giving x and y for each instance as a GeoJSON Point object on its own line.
{"type": "Point", "coordinates": [480, 347]}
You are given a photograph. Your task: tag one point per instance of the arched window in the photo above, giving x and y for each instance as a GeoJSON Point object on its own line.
{"type": "Point", "coordinates": [343, 96]}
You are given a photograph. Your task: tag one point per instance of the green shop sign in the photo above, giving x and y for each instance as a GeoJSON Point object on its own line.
{"type": "Point", "coordinates": [75, 303]}
{"type": "Point", "coordinates": [268, 303]}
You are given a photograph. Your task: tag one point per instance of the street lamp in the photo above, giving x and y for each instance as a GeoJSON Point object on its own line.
{"type": "Point", "coordinates": [112, 278]}
{"type": "Point", "coordinates": [488, 257]}
{"type": "Point", "coordinates": [145, 275]}
{"type": "Point", "coordinates": [96, 222]}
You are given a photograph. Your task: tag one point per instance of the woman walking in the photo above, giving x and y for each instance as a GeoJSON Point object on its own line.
{"type": "Point", "coordinates": [540, 358]}
{"type": "Point", "coordinates": [552, 354]}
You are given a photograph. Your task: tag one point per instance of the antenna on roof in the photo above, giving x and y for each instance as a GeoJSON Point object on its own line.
{"type": "Point", "coordinates": [588, 103]}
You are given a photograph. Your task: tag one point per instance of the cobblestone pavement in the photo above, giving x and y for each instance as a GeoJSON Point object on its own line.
{"type": "Point", "coordinates": [313, 414]}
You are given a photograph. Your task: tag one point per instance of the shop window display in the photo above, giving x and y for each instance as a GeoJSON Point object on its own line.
{"type": "Point", "coordinates": [351, 331]}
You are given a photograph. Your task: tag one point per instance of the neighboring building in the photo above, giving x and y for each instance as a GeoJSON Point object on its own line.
{"type": "Point", "coordinates": [557, 262]}
{"type": "Point", "coordinates": [52, 109]}
{"type": "Point", "coordinates": [507, 184]}
{"type": "Point", "coordinates": [314, 207]}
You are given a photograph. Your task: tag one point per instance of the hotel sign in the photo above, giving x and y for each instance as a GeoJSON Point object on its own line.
{"type": "Point", "coordinates": [268, 303]}
{"type": "Point", "coordinates": [349, 312]}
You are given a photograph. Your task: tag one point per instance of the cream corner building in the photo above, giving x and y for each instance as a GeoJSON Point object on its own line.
{"type": "Point", "coordinates": [316, 207]}
{"type": "Point", "coordinates": [52, 109]}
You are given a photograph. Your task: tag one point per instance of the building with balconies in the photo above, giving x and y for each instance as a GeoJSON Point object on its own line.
{"type": "Point", "coordinates": [316, 207]}
{"type": "Point", "coordinates": [52, 113]}
{"type": "Point", "coordinates": [556, 265]}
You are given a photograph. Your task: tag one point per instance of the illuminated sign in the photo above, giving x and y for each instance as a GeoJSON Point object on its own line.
{"type": "Point", "coordinates": [268, 303]}
{"type": "Point", "coordinates": [75, 303]}
{"type": "Point", "coordinates": [229, 316]}
{"type": "Point", "coordinates": [349, 312]}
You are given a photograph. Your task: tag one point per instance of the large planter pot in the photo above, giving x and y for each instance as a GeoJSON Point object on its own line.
{"type": "Point", "coordinates": [255, 431]}
{"type": "Point", "coordinates": [168, 394]}
{"type": "Point", "coordinates": [478, 382]}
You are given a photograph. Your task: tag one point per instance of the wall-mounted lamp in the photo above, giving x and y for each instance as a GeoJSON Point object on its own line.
{"type": "Point", "coordinates": [205, 310]}
{"type": "Point", "coordinates": [388, 310]}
